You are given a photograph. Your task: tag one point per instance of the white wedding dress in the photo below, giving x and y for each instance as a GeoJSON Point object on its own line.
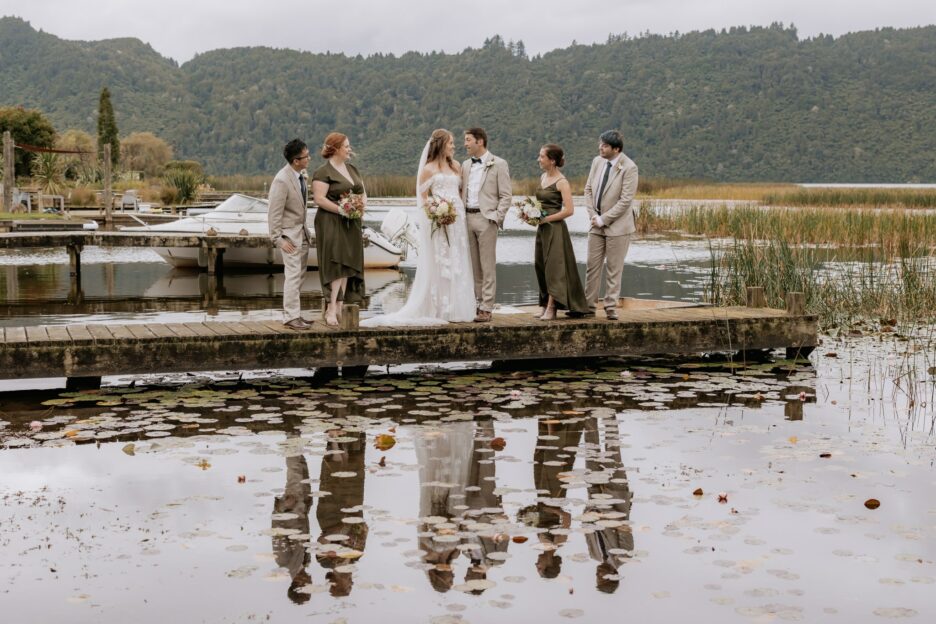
{"type": "Point", "coordinates": [443, 291]}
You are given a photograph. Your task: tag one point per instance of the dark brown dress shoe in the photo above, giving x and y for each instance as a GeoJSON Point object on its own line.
{"type": "Point", "coordinates": [298, 324]}
{"type": "Point", "coordinates": [611, 314]}
{"type": "Point", "coordinates": [483, 317]}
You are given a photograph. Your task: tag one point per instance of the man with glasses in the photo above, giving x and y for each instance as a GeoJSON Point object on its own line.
{"type": "Point", "coordinates": [288, 231]}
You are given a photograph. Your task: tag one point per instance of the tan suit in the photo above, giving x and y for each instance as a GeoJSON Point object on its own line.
{"type": "Point", "coordinates": [608, 245]}
{"type": "Point", "coordinates": [287, 220]}
{"type": "Point", "coordinates": [494, 197]}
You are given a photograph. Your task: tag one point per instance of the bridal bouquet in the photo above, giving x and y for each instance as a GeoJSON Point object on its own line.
{"type": "Point", "coordinates": [441, 213]}
{"type": "Point", "coordinates": [351, 205]}
{"type": "Point", "coordinates": [530, 210]}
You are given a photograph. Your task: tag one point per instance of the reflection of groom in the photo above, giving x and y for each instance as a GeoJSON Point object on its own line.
{"type": "Point", "coordinates": [486, 194]}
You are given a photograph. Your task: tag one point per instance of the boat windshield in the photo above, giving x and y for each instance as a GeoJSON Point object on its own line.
{"type": "Point", "coordinates": [243, 203]}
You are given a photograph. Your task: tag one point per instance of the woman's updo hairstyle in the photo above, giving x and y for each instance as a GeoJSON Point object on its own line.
{"type": "Point", "coordinates": [333, 143]}
{"type": "Point", "coordinates": [554, 153]}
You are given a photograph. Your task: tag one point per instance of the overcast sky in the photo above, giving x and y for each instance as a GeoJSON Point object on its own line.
{"type": "Point", "coordinates": [182, 28]}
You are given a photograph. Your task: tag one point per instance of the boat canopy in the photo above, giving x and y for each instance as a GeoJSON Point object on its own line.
{"type": "Point", "coordinates": [243, 203]}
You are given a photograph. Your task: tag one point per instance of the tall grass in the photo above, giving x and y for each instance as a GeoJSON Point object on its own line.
{"type": "Point", "coordinates": [874, 197]}
{"type": "Point", "coordinates": [901, 287]}
{"type": "Point", "coordinates": [892, 231]}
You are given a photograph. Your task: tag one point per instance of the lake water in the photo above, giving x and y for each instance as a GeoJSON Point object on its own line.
{"type": "Point", "coordinates": [657, 490]}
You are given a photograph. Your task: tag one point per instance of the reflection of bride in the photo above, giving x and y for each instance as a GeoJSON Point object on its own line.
{"type": "Point", "coordinates": [442, 291]}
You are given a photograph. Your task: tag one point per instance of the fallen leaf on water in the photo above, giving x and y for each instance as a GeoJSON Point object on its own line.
{"type": "Point", "coordinates": [129, 449]}
{"type": "Point", "coordinates": [242, 478]}
{"type": "Point", "coordinates": [203, 464]}
{"type": "Point", "coordinates": [872, 503]}
{"type": "Point", "coordinates": [384, 442]}
{"type": "Point", "coordinates": [498, 444]}
{"type": "Point", "coordinates": [793, 439]}
{"type": "Point", "coordinates": [383, 462]}
{"type": "Point", "coordinates": [698, 492]}
{"type": "Point", "coordinates": [723, 497]}
{"type": "Point", "coordinates": [519, 539]}
{"type": "Point", "coordinates": [825, 455]}
{"type": "Point", "coordinates": [71, 433]}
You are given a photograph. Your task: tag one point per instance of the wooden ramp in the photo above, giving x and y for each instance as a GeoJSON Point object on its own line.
{"type": "Point", "coordinates": [77, 351]}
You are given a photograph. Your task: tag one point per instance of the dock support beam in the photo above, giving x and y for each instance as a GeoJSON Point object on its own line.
{"type": "Point", "coordinates": [74, 260]}
{"type": "Point", "coordinates": [796, 306]}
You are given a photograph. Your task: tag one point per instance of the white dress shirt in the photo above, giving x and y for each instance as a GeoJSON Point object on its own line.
{"type": "Point", "coordinates": [474, 180]}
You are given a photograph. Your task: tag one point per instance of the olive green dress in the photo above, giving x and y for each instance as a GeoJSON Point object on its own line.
{"type": "Point", "coordinates": [554, 261]}
{"type": "Point", "coordinates": [339, 241]}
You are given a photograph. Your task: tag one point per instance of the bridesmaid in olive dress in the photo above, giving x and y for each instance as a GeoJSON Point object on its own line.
{"type": "Point", "coordinates": [559, 284]}
{"type": "Point", "coordinates": [339, 241]}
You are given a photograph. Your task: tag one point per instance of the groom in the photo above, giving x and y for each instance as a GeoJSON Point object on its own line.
{"type": "Point", "coordinates": [486, 194]}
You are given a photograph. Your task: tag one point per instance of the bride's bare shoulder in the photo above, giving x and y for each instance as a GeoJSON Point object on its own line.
{"type": "Point", "coordinates": [429, 170]}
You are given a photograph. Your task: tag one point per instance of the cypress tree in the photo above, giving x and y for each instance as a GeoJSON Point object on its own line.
{"type": "Point", "coordinates": [107, 128]}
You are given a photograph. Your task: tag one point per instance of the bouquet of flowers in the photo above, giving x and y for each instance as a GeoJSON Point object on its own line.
{"type": "Point", "coordinates": [530, 210]}
{"type": "Point", "coordinates": [351, 205]}
{"type": "Point", "coordinates": [441, 213]}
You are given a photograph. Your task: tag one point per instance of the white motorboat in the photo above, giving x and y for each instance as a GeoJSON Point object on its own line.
{"type": "Point", "coordinates": [244, 215]}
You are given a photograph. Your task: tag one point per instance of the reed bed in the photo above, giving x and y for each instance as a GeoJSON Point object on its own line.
{"type": "Point", "coordinates": [848, 197]}
{"type": "Point", "coordinates": [892, 231]}
{"type": "Point", "coordinates": [900, 286]}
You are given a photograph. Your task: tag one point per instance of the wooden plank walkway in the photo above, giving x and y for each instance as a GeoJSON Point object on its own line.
{"type": "Point", "coordinates": [99, 350]}
{"type": "Point", "coordinates": [26, 240]}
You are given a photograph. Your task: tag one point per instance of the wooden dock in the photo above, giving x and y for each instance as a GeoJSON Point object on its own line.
{"type": "Point", "coordinates": [74, 242]}
{"type": "Point", "coordinates": [92, 351]}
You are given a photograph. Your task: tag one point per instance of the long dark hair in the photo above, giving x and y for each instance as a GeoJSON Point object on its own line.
{"type": "Point", "coordinates": [437, 147]}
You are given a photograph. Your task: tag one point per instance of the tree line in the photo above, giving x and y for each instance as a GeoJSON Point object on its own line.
{"type": "Point", "coordinates": [740, 104]}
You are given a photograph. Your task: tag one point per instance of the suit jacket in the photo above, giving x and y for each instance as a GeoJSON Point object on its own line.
{"type": "Point", "coordinates": [617, 210]}
{"type": "Point", "coordinates": [287, 215]}
{"type": "Point", "coordinates": [495, 193]}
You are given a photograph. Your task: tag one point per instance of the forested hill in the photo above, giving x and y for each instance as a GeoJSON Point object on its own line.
{"type": "Point", "coordinates": [741, 104]}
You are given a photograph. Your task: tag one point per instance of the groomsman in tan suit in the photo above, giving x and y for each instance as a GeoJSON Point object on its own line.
{"type": "Point", "coordinates": [609, 194]}
{"type": "Point", "coordinates": [486, 194]}
{"type": "Point", "coordinates": [288, 230]}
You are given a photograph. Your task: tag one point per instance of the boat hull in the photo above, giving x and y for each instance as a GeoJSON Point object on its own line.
{"type": "Point", "coordinates": [375, 257]}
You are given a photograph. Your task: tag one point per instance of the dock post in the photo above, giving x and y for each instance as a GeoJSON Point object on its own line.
{"type": "Point", "coordinates": [9, 178]}
{"type": "Point", "coordinates": [796, 306]}
{"type": "Point", "coordinates": [212, 259]}
{"type": "Point", "coordinates": [756, 297]}
{"type": "Point", "coordinates": [795, 303]}
{"type": "Point", "coordinates": [350, 316]}
{"type": "Point", "coordinates": [74, 260]}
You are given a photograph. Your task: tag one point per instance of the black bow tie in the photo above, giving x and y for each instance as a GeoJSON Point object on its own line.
{"type": "Point", "coordinates": [475, 160]}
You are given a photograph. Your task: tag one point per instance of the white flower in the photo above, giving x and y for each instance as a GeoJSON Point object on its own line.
{"type": "Point", "coordinates": [489, 164]}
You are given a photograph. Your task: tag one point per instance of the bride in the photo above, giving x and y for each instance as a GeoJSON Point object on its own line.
{"type": "Point", "coordinates": [442, 291]}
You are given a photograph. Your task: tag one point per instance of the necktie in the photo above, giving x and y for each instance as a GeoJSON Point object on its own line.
{"type": "Point", "coordinates": [302, 184]}
{"type": "Point", "coordinates": [475, 160]}
{"type": "Point", "coordinates": [601, 188]}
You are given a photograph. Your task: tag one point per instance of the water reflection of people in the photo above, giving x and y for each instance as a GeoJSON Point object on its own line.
{"type": "Point", "coordinates": [291, 512]}
{"type": "Point", "coordinates": [554, 455]}
{"type": "Point", "coordinates": [609, 495]}
{"type": "Point", "coordinates": [445, 461]}
{"type": "Point", "coordinates": [485, 512]}
{"type": "Point", "coordinates": [341, 513]}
